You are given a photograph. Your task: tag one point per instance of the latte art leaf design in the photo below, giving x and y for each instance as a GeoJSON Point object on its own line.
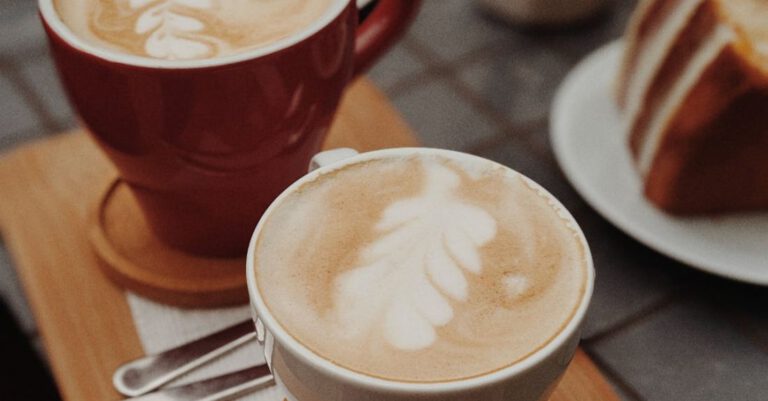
{"type": "Point", "coordinates": [405, 281]}
{"type": "Point", "coordinates": [171, 33]}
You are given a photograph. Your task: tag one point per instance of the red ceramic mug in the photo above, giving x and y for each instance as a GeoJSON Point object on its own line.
{"type": "Point", "coordinates": [206, 145]}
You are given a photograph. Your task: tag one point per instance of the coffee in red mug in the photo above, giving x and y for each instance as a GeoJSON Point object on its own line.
{"type": "Point", "coordinates": [210, 108]}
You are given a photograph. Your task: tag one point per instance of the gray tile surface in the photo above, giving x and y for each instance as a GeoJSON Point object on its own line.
{"type": "Point", "coordinates": [518, 81]}
{"type": "Point", "coordinates": [755, 321]}
{"type": "Point", "coordinates": [520, 71]}
{"type": "Point", "coordinates": [16, 115]}
{"type": "Point", "coordinates": [453, 28]}
{"type": "Point", "coordinates": [400, 63]}
{"type": "Point", "coordinates": [20, 29]}
{"type": "Point", "coordinates": [759, 328]}
{"type": "Point", "coordinates": [40, 75]}
{"type": "Point", "coordinates": [746, 306]}
{"type": "Point", "coordinates": [688, 352]}
{"type": "Point", "coordinates": [443, 118]}
{"type": "Point", "coordinates": [518, 154]}
{"type": "Point", "coordinates": [575, 43]}
{"type": "Point", "coordinates": [631, 280]}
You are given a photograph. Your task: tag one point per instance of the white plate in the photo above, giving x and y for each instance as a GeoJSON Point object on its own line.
{"type": "Point", "coordinates": [590, 145]}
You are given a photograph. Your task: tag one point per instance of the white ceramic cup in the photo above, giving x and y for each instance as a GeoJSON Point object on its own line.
{"type": "Point", "coordinates": [306, 376]}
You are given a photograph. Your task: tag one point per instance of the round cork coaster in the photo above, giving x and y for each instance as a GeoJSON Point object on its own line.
{"type": "Point", "coordinates": [134, 258]}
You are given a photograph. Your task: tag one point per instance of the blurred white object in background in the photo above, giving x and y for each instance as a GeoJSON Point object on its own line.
{"type": "Point", "coordinates": [543, 12]}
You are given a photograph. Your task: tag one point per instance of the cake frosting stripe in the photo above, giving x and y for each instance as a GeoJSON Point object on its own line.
{"type": "Point", "coordinates": [652, 29]}
{"type": "Point", "coordinates": [691, 88]}
{"type": "Point", "coordinates": [654, 125]}
{"type": "Point", "coordinates": [631, 43]}
{"type": "Point", "coordinates": [713, 159]}
{"type": "Point", "coordinates": [657, 34]}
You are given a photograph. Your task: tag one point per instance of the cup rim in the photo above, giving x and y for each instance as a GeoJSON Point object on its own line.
{"type": "Point", "coordinates": [345, 375]}
{"type": "Point", "coordinates": [52, 19]}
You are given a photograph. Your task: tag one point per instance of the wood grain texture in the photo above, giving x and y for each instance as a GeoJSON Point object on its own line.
{"type": "Point", "coordinates": [49, 190]}
{"type": "Point", "coordinates": [132, 256]}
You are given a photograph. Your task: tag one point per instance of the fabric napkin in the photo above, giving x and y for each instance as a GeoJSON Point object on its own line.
{"type": "Point", "coordinates": [161, 327]}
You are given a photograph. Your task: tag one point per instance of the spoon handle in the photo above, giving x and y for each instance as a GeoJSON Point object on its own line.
{"type": "Point", "coordinates": [149, 373]}
{"type": "Point", "coordinates": [222, 388]}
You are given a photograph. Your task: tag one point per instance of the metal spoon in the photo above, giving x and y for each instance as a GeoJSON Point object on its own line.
{"type": "Point", "coordinates": [221, 388]}
{"type": "Point", "coordinates": [151, 372]}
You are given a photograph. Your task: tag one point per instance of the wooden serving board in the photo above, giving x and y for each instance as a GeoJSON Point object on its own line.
{"type": "Point", "coordinates": [49, 190]}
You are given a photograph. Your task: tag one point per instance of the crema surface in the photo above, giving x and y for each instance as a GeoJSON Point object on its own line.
{"type": "Point", "coordinates": [421, 268]}
{"type": "Point", "coordinates": [187, 29]}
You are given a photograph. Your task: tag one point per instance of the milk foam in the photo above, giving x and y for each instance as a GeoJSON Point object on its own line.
{"type": "Point", "coordinates": [407, 277]}
{"type": "Point", "coordinates": [170, 31]}
{"type": "Point", "coordinates": [187, 29]}
{"type": "Point", "coordinates": [421, 268]}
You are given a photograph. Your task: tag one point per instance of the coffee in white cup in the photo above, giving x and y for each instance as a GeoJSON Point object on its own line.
{"type": "Point", "coordinates": [420, 267]}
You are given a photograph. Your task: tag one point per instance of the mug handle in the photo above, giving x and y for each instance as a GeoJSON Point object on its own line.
{"type": "Point", "coordinates": [330, 156]}
{"type": "Point", "coordinates": [380, 29]}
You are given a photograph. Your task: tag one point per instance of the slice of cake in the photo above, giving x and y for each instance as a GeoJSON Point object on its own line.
{"type": "Point", "coordinates": [693, 88]}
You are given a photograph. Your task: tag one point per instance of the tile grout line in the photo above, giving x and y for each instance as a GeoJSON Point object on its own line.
{"type": "Point", "coordinates": [409, 81]}
{"type": "Point", "coordinates": [504, 125]}
{"type": "Point", "coordinates": [636, 318]}
{"type": "Point", "coordinates": [428, 57]}
{"type": "Point", "coordinates": [739, 323]}
{"type": "Point", "coordinates": [433, 66]}
{"type": "Point", "coordinates": [523, 132]}
{"type": "Point", "coordinates": [528, 130]}
{"type": "Point", "coordinates": [743, 327]}
{"type": "Point", "coordinates": [449, 71]}
{"type": "Point", "coordinates": [733, 317]}
{"type": "Point", "coordinates": [613, 376]}
{"type": "Point", "coordinates": [432, 70]}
